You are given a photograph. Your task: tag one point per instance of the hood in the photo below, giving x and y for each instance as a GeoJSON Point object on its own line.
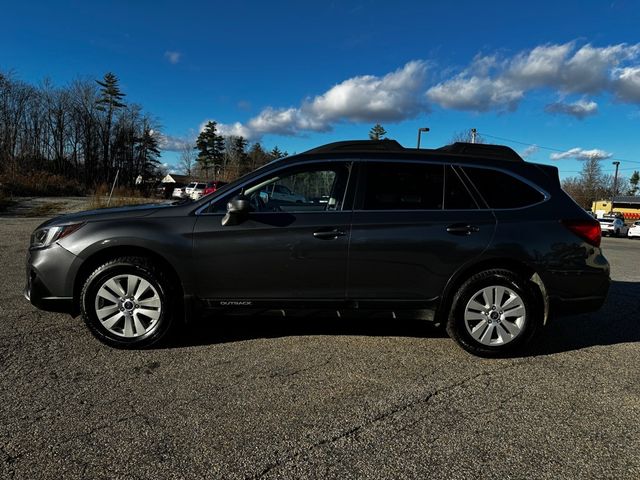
{"type": "Point", "coordinates": [101, 214]}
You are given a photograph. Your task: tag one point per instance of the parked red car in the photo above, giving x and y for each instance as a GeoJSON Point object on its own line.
{"type": "Point", "coordinates": [212, 187]}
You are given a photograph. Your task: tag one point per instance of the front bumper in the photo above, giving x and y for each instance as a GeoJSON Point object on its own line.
{"type": "Point", "coordinates": [48, 279]}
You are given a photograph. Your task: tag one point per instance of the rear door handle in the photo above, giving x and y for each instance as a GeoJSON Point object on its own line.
{"type": "Point", "coordinates": [462, 229]}
{"type": "Point", "coordinates": [329, 234]}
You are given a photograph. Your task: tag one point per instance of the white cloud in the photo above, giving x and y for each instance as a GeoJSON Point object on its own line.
{"type": "Point", "coordinates": [367, 98]}
{"type": "Point", "coordinates": [173, 144]}
{"type": "Point", "coordinates": [494, 82]}
{"type": "Point", "coordinates": [580, 109]}
{"type": "Point", "coordinates": [582, 154]}
{"type": "Point", "coordinates": [474, 93]}
{"type": "Point", "coordinates": [393, 97]}
{"type": "Point", "coordinates": [627, 84]}
{"type": "Point", "coordinates": [489, 83]}
{"type": "Point", "coordinates": [529, 151]}
{"type": "Point", "coordinates": [539, 67]}
{"type": "Point", "coordinates": [234, 129]}
{"type": "Point", "coordinates": [172, 57]}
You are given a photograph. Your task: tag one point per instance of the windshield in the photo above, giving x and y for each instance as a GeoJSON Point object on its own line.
{"type": "Point", "coordinates": [606, 220]}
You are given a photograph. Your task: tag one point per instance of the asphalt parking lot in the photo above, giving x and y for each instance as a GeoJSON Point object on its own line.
{"type": "Point", "coordinates": [317, 398]}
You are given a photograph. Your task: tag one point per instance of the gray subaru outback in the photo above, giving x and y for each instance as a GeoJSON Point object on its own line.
{"type": "Point", "coordinates": [469, 236]}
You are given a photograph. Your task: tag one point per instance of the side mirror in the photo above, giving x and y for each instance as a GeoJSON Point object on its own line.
{"type": "Point", "coordinates": [237, 211]}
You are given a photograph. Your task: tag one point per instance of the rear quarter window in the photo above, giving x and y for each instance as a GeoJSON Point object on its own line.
{"type": "Point", "coordinates": [501, 190]}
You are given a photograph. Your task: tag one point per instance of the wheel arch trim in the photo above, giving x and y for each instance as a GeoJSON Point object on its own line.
{"type": "Point", "coordinates": [490, 263]}
{"type": "Point", "coordinates": [99, 257]}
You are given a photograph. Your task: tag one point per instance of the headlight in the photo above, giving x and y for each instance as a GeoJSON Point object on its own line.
{"type": "Point", "coordinates": [44, 237]}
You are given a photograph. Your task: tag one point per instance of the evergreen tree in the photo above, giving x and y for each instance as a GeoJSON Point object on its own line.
{"type": "Point", "coordinates": [377, 132]}
{"type": "Point", "coordinates": [210, 148]}
{"type": "Point", "coordinates": [276, 153]}
{"type": "Point", "coordinates": [148, 150]}
{"type": "Point", "coordinates": [634, 181]}
{"type": "Point", "coordinates": [239, 156]}
{"type": "Point", "coordinates": [109, 100]}
{"type": "Point", "coordinates": [258, 156]}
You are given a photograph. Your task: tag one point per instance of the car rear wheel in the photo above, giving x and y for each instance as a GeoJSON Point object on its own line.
{"type": "Point", "coordinates": [127, 303]}
{"type": "Point", "coordinates": [494, 313]}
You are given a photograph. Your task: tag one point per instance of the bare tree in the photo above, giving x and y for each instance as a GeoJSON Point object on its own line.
{"type": "Point", "coordinates": [187, 161]}
{"type": "Point", "coordinates": [465, 136]}
{"type": "Point", "coordinates": [590, 185]}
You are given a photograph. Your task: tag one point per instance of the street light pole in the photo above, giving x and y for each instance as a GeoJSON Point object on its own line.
{"type": "Point", "coordinates": [420, 130]}
{"type": "Point", "coordinates": [615, 184]}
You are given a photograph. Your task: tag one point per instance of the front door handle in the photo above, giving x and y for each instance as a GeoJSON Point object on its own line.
{"type": "Point", "coordinates": [329, 234]}
{"type": "Point", "coordinates": [462, 229]}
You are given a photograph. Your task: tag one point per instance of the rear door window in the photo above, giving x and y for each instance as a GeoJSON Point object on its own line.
{"type": "Point", "coordinates": [501, 190]}
{"type": "Point", "coordinates": [456, 194]}
{"type": "Point", "coordinates": [402, 186]}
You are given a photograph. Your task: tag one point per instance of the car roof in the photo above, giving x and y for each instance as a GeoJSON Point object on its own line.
{"type": "Point", "coordinates": [496, 152]}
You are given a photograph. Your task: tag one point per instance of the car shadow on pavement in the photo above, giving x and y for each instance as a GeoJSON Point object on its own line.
{"type": "Point", "coordinates": [617, 322]}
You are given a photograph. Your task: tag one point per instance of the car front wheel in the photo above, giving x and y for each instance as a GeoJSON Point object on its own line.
{"type": "Point", "coordinates": [494, 313]}
{"type": "Point", "coordinates": [126, 303]}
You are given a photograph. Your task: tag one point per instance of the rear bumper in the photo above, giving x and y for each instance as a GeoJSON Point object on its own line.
{"type": "Point", "coordinates": [574, 306]}
{"type": "Point", "coordinates": [573, 292]}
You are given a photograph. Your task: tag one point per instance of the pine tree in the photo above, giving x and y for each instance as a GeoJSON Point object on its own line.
{"type": "Point", "coordinates": [634, 183]}
{"type": "Point", "coordinates": [210, 148]}
{"type": "Point", "coordinates": [109, 100]}
{"type": "Point", "coordinates": [258, 156]}
{"type": "Point", "coordinates": [377, 132]}
{"type": "Point", "coordinates": [148, 150]}
{"type": "Point", "coordinates": [239, 155]}
{"type": "Point", "coordinates": [276, 153]}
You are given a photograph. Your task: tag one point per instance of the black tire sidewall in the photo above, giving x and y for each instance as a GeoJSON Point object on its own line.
{"type": "Point", "coordinates": [456, 325]}
{"type": "Point", "coordinates": [121, 267]}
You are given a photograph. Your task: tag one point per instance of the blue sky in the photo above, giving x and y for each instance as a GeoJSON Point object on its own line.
{"type": "Point", "coordinates": [564, 75]}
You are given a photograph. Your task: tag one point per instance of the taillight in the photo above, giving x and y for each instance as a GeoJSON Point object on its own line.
{"type": "Point", "coordinates": [588, 230]}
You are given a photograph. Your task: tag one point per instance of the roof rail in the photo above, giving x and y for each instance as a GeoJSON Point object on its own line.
{"type": "Point", "coordinates": [499, 152]}
{"type": "Point", "coordinates": [358, 146]}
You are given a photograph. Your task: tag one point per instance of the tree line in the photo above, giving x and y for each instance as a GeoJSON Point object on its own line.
{"type": "Point", "coordinates": [218, 157]}
{"type": "Point", "coordinates": [593, 184]}
{"type": "Point", "coordinates": [85, 131]}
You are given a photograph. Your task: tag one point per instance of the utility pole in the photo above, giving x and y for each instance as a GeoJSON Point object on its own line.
{"type": "Point", "coordinates": [615, 184]}
{"type": "Point", "coordinates": [420, 130]}
{"type": "Point", "coordinates": [473, 135]}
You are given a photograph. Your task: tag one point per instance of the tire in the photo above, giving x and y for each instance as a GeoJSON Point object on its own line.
{"type": "Point", "coordinates": [127, 302]}
{"type": "Point", "coordinates": [497, 329]}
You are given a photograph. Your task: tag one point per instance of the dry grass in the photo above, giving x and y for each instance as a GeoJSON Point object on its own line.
{"type": "Point", "coordinates": [122, 197]}
{"type": "Point", "coordinates": [48, 209]}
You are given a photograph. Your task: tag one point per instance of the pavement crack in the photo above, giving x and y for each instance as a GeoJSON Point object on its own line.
{"type": "Point", "coordinates": [376, 419]}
